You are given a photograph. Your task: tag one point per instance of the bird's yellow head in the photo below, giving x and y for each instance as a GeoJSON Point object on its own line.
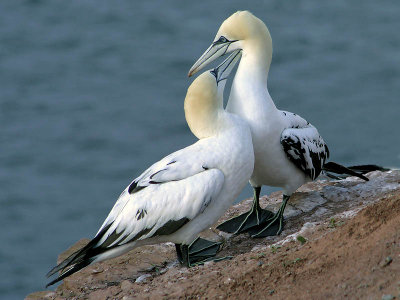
{"type": "Point", "coordinates": [240, 31]}
{"type": "Point", "coordinates": [242, 26]}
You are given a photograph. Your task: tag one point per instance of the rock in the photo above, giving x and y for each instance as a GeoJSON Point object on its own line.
{"type": "Point", "coordinates": [314, 200]}
{"type": "Point", "coordinates": [41, 295]}
{"type": "Point", "coordinates": [386, 262]}
{"type": "Point", "coordinates": [142, 278]}
{"type": "Point", "coordinates": [158, 275]}
{"type": "Point", "coordinates": [98, 295]}
{"type": "Point", "coordinates": [127, 286]}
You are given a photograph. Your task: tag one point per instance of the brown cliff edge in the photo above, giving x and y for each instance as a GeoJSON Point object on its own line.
{"type": "Point", "coordinates": [351, 249]}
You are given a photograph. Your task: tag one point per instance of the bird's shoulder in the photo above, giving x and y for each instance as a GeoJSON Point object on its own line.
{"type": "Point", "coordinates": [293, 120]}
{"type": "Point", "coordinates": [176, 166]}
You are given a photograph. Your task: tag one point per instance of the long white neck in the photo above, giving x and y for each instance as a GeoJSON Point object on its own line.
{"type": "Point", "coordinates": [249, 93]}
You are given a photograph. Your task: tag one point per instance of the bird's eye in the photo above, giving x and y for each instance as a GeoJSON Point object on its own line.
{"type": "Point", "coordinates": [222, 39]}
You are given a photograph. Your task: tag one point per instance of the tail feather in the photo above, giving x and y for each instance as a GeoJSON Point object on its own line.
{"type": "Point", "coordinates": [71, 270]}
{"type": "Point", "coordinates": [330, 175]}
{"type": "Point", "coordinates": [75, 262]}
{"type": "Point", "coordinates": [79, 259]}
{"type": "Point", "coordinates": [66, 262]}
{"type": "Point", "coordinates": [363, 169]}
{"type": "Point", "coordinates": [339, 169]}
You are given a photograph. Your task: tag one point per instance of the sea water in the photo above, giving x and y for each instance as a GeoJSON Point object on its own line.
{"type": "Point", "coordinates": [91, 94]}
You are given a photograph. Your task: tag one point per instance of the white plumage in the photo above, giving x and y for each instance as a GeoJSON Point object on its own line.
{"type": "Point", "coordinates": [250, 99]}
{"type": "Point", "coordinates": [187, 191]}
{"type": "Point", "coordinates": [288, 150]}
{"type": "Point", "coordinates": [180, 188]}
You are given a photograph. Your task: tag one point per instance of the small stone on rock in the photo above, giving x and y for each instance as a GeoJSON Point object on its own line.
{"type": "Point", "coordinates": [97, 270]}
{"type": "Point", "coordinates": [142, 278]}
{"type": "Point", "coordinates": [386, 262]}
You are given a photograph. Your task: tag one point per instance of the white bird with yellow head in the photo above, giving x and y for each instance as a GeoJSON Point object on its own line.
{"type": "Point", "coordinates": [184, 193]}
{"type": "Point", "coordinates": [288, 150]}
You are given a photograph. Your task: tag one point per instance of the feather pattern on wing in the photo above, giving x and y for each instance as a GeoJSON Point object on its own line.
{"type": "Point", "coordinates": [303, 145]}
{"type": "Point", "coordinates": [172, 192]}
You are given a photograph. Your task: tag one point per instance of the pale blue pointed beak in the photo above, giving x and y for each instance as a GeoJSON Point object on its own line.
{"type": "Point", "coordinates": [225, 68]}
{"type": "Point", "coordinates": [217, 49]}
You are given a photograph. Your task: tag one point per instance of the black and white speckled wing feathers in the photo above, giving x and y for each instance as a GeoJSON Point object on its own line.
{"type": "Point", "coordinates": [165, 197]}
{"type": "Point", "coordinates": [303, 145]}
{"type": "Point", "coordinates": [161, 200]}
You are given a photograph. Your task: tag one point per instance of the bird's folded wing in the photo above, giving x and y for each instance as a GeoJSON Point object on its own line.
{"type": "Point", "coordinates": [172, 192]}
{"type": "Point", "coordinates": [305, 148]}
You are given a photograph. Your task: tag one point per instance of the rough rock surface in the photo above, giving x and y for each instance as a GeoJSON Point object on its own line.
{"type": "Point", "coordinates": [351, 248]}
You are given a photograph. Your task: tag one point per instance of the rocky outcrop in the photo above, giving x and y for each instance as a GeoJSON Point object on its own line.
{"type": "Point", "coordinates": [349, 246]}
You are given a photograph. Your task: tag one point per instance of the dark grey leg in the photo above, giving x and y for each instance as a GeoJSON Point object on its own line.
{"type": "Point", "coordinates": [179, 253]}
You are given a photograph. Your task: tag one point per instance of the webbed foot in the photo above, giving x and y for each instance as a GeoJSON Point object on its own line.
{"type": "Point", "coordinates": [272, 226]}
{"type": "Point", "coordinates": [245, 221]}
{"type": "Point", "coordinates": [198, 252]}
{"type": "Point", "coordinates": [254, 217]}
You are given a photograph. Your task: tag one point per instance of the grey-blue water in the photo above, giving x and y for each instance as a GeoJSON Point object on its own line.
{"type": "Point", "coordinates": [91, 93]}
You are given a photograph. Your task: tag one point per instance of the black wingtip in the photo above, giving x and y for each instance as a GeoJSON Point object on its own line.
{"type": "Point", "coordinates": [52, 272]}
{"type": "Point", "coordinates": [72, 270]}
{"type": "Point", "coordinates": [69, 272]}
{"type": "Point", "coordinates": [79, 259]}
{"type": "Point", "coordinates": [339, 169]}
{"type": "Point", "coordinates": [52, 282]}
{"type": "Point", "coordinates": [59, 278]}
{"type": "Point", "coordinates": [68, 261]}
{"type": "Point", "coordinates": [368, 168]}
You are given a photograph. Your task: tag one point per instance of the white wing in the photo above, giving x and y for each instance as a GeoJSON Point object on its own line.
{"type": "Point", "coordinates": [162, 199]}
{"type": "Point", "coordinates": [303, 145]}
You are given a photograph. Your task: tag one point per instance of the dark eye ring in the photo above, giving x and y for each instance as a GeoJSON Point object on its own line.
{"type": "Point", "coordinates": [222, 39]}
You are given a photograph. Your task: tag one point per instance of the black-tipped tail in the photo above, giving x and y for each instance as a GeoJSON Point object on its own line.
{"type": "Point", "coordinates": [75, 262]}
{"type": "Point", "coordinates": [363, 169]}
{"type": "Point", "coordinates": [69, 271]}
{"type": "Point", "coordinates": [332, 167]}
{"type": "Point", "coordinates": [79, 259]}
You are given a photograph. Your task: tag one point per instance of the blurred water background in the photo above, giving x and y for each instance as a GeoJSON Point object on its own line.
{"type": "Point", "coordinates": [91, 93]}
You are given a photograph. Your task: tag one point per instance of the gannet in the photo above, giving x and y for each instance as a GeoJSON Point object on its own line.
{"type": "Point", "coordinates": [185, 192]}
{"type": "Point", "coordinates": [288, 150]}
